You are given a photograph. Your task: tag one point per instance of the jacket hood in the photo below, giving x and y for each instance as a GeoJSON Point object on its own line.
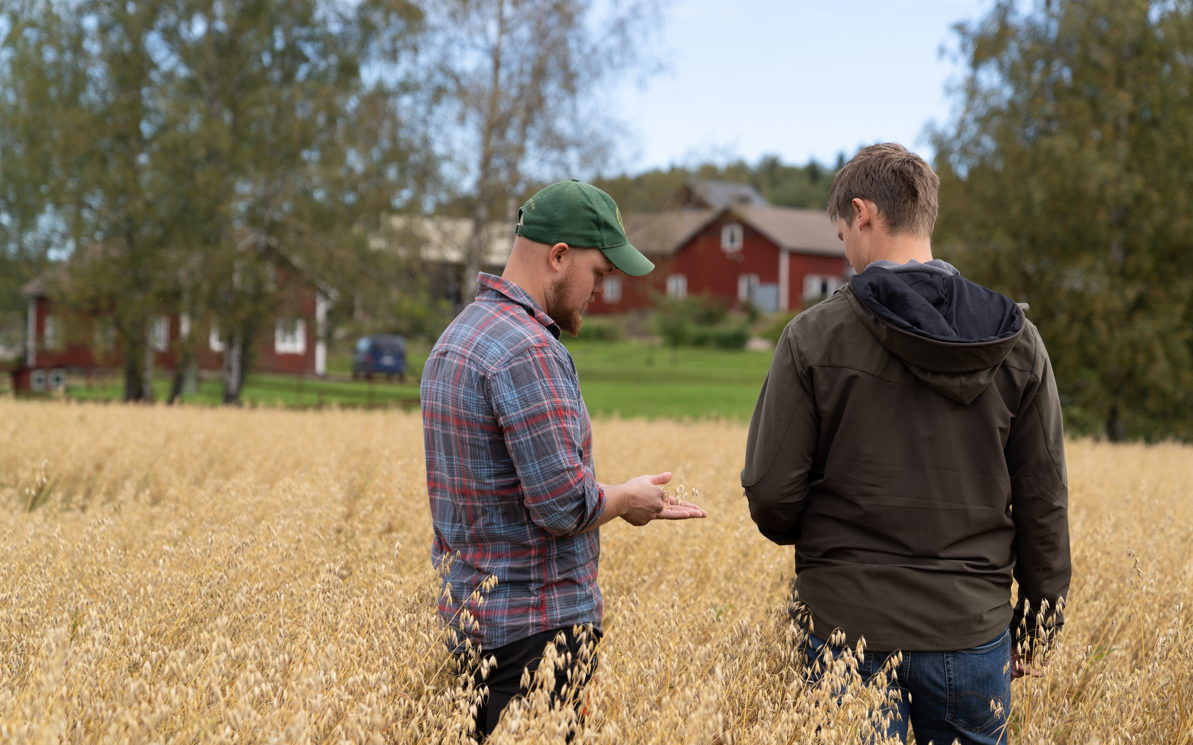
{"type": "Point", "coordinates": [951, 333]}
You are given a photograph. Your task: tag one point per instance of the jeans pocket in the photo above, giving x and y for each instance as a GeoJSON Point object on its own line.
{"type": "Point", "coordinates": [979, 685]}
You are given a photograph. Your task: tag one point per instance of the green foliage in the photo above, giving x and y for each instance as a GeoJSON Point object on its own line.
{"type": "Point", "coordinates": [782, 184]}
{"type": "Point", "coordinates": [188, 154]}
{"type": "Point", "coordinates": [675, 319]}
{"type": "Point", "coordinates": [1066, 183]}
{"type": "Point", "coordinates": [603, 331]}
{"type": "Point", "coordinates": [774, 330]}
{"type": "Point", "coordinates": [721, 337]}
{"type": "Point", "coordinates": [699, 320]}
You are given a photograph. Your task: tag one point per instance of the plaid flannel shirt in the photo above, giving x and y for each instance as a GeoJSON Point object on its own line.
{"type": "Point", "coordinates": [509, 471]}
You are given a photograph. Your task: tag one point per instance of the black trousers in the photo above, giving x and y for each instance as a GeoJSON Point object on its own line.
{"type": "Point", "coordinates": [505, 678]}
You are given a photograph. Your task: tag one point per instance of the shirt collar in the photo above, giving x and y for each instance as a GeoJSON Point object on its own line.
{"type": "Point", "coordinates": [493, 288]}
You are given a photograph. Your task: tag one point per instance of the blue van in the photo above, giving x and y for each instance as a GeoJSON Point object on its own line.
{"type": "Point", "coordinates": [383, 354]}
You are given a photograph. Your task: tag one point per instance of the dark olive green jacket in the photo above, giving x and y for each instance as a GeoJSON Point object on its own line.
{"type": "Point", "coordinates": [916, 477]}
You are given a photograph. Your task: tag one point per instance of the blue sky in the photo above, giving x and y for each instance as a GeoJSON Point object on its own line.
{"type": "Point", "coordinates": [797, 78]}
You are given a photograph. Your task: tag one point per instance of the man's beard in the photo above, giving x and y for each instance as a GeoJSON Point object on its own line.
{"type": "Point", "coordinates": [569, 319]}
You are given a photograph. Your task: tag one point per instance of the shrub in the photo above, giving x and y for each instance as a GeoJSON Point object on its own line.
{"type": "Point", "coordinates": [721, 337]}
{"type": "Point", "coordinates": [601, 331]}
{"type": "Point", "coordinates": [775, 329]}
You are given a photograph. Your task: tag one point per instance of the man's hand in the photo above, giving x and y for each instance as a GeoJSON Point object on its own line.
{"type": "Point", "coordinates": [1022, 665]}
{"type": "Point", "coordinates": [642, 499]}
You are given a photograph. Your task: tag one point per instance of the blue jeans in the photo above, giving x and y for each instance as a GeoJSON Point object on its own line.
{"type": "Point", "coordinates": [943, 695]}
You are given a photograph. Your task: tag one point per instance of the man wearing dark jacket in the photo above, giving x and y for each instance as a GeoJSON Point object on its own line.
{"type": "Point", "coordinates": [908, 443]}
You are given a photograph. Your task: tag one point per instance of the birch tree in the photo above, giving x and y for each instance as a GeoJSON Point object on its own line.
{"type": "Point", "coordinates": [526, 78]}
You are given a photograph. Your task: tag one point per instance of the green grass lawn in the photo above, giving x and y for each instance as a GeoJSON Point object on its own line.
{"type": "Point", "coordinates": [635, 379]}
{"type": "Point", "coordinates": [630, 379]}
{"type": "Point", "coordinates": [275, 390]}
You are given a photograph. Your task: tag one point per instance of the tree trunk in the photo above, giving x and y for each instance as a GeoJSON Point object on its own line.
{"type": "Point", "coordinates": [134, 344]}
{"type": "Point", "coordinates": [147, 378]}
{"type": "Point", "coordinates": [474, 256]}
{"type": "Point", "coordinates": [183, 373]}
{"type": "Point", "coordinates": [237, 361]}
{"type": "Point", "coordinates": [475, 253]}
{"type": "Point", "coordinates": [232, 373]}
{"type": "Point", "coordinates": [1116, 428]}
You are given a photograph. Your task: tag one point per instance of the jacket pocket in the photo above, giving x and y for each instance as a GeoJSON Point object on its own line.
{"type": "Point", "coordinates": [979, 685]}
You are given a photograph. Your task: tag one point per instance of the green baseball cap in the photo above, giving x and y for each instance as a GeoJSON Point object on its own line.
{"type": "Point", "coordinates": [583, 216]}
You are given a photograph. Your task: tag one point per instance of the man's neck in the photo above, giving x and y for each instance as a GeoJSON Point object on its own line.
{"type": "Point", "coordinates": [528, 282]}
{"type": "Point", "coordinates": [900, 248]}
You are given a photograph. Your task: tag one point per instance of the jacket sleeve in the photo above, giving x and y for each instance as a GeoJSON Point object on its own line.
{"type": "Point", "coordinates": [1035, 455]}
{"type": "Point", "coordinates": [781, 446]}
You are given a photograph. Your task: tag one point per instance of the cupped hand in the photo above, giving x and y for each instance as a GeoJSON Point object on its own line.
{"type": "Point", "coordinates": [678, 509]}
{"type": "Point", "coordinates": [645, 498]}
{"type": "Point", "coordinates": [1021, 665]}
{"type": "Point", "coordinates": [647, 501]}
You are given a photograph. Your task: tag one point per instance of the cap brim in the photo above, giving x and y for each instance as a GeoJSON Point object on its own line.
{"type": "Point", "coordinates": [629, 260]}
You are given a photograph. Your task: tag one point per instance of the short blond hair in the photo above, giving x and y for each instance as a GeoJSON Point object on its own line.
{"type": "Point", "coordinates": [902, 185]}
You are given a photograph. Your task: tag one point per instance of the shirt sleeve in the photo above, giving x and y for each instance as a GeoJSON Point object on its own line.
{"type": "Point", "coordinates": [781, 447]}
{"type": "Point", "coordinates": [537, 404]}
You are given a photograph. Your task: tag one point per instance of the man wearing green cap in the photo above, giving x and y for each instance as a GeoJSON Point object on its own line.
{"type": "Point", "coordinates": [509, 452]}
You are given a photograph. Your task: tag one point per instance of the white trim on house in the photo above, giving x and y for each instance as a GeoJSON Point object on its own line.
{"type": "Point", "coordinates": [784, 278]}
{"type": "Point", "coordinates": [31, 335]}
{"type": "Point", "coordinates": [321, 306]}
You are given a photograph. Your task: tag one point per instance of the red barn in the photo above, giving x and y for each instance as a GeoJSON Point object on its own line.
{"type": "Point", "coordinates": [58, 343]}
{"type": "Point", "coordinates": [774, 258]}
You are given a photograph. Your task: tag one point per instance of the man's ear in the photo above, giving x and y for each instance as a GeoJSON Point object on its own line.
{"type": "Point", "coordinates": [557, 255]}
{"type": "Point", "coordinates": [861, 212]}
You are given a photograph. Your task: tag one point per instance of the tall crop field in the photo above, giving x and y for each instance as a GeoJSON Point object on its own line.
{"type": "Point", "coordinates": [195, 575]}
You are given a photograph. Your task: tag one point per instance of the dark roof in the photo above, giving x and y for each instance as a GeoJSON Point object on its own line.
{"type": "Point", "coordinates": [664, 233]}
{"type": "Point", "coordinates": [799, 230]}
{"type": "Point", "coordinates": [716, 195]}
{"type": "Point", "coordinates": [790, 228]}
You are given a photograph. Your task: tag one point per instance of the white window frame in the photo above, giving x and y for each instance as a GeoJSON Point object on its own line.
{"type": "Point", "coordinates": [56, 380]}
{"type": "Point", "coordinates": [745, 286]}
{"type": "Point", "coordinates": [612, 292]}
{"type": "Point", "coordinates": [159, 334]}
{"type": "Point", "coordinates": [733, 237]}
{"type": "Point", "coordinates": [677, 286]}
{"type": "Point", "coordinates": [290, 336]}
{"type": "Point", "coordinates": [37, 380]}
{"type": "Point", "coordinates": [819, 285]}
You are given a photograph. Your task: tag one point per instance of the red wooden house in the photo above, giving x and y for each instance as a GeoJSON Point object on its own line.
{"type": "Point", "coordinates": [60, 343]}
{"type": "Point", "coordinates": [742, 254]}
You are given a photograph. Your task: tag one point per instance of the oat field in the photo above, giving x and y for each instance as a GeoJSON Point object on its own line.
{"type": "Point", "coordinates": [201, 575]}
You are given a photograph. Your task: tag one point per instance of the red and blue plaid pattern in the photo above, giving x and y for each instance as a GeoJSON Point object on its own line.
{"type": "Point", "coordinates": [509, 471]}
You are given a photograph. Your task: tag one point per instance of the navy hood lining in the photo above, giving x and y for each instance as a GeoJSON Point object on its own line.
{"type": "Point", "coordinates": [950, 310]}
